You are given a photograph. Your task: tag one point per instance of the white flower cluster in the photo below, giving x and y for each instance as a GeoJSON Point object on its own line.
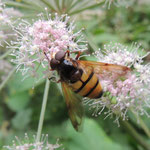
{"type": "Point", "coordinates": [5, 68]}
{"type": "Point", "coordinates": [6, 21]}
{"type": "Point", "coordinates": [27, 144]}
{"type": "Point", "coordinates": [122, 93]}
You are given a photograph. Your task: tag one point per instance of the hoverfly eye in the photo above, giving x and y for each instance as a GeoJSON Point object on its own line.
{"type": "Point", "coordinates": [60, 55]}
{"type": "Point", "coordinates": [54, 63]}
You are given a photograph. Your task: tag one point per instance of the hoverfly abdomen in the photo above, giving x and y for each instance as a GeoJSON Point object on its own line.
{"type": "Point", "coordinates": [88, 85]}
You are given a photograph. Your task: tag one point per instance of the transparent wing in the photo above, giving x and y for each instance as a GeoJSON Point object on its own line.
{"type": "Point", "coordinates": [74, 105]}
{"type": "Point", "coordinates": [104, 68]}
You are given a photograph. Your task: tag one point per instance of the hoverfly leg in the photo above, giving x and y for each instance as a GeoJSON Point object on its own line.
{"type": "Point", "coordinates": [68, 53]}
{"type": "Point", "coordinates": [47, 57]}
{"type": "Point", "coordinates": [48, 62]}
{"type": "Point", "coordinates": [50, 78]}
{"type": "Point", "coordinates": [51, 69]}
{"type": "Point", "coordinates": [53, 79]}
{"type": "Point", "coordinates": [78, 55]}
{"type": "Point", "coordinates": [58, 81]}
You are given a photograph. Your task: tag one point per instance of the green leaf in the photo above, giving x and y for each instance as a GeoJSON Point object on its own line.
{"type": "Point", "coordinates": [106, 37]}
{"type": "Point", "coordinates": [18, 101]}
{"type": "Point", "coordinates": [17, 83]}
{"type": "Point", "coordinates": [22, 119]}
{"type": "Point", "coordinates": [21, 5]}
{"type": "Point", "coordinates": [91, 138]}
{"type": "Point", "coordinates": [1, 116]}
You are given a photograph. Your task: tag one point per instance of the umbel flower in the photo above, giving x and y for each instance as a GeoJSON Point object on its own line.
{"type": "Point", "coordinates": [42, 39]}
{"type": "Point", "coordinates": [28, 144]}
{"type": "Point", "coordinates": [6, 20]}
{"type": "Point", "coordinates": [5, 68]}
{"type": "Point", "coordinates": [128, 92]}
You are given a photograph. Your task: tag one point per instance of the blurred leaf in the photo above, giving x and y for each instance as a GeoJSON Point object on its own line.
{"type": "Point", "coordinates": [22, 119]}
{"type": "Point", "coordinates": [27, 5]}
{"type": "Point", "coordinates": [106, 37]}
{"type": "Point", "coordinates": [56, 110]}
{"type": "Point", "coordinates": [1, 116]}
{"type": "Point", "coordinates": [56, 104]}
{"type": "Point", "coordinates": [91, 58]}
{"type": "Point", "coordinates": [121, 138]}
{"type": "Point", "coordinates": [92, 137]}
{"type": "Point", "coordinates": [116, 133]}
{"type": "Point", "coordinates": [89, 38]}
{"type": "Point", "coordinates": [17, 83]}
{"type": "Point", "coordinates": [18, 101]}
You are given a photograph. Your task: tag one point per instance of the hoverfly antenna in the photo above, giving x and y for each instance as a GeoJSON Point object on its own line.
{"type": "Point", "coordinates": [68, 53]}
{"type": "Point", "coordinates": [47, 57]}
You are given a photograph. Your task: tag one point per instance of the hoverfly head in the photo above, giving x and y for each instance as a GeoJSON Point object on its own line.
{"type": "Point", "coordinates": [59, 57]}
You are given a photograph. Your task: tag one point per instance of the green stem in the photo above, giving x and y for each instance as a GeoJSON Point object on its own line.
{"type": "Point", "coordinates": [45, 97]}
{"type": "Point", "coordinates": [73, 5]}
{"type": "Point", "coordinates": [135, 135]}
{"type": "Point", "coordinates": [6, 54]}
{"type": "Point", "coordinates": [49, 5]}
{"type": "Point", "coordinates": [63, 4]}
{"type": "Point", "coordinates": [89, 7]}
{"type": "Point", "coordinates": [89, 38]}
{"type": "Point", "coordinates": [69, 5]}
{"type": "Point", "coordinates": [7, 78]}
{"type": "Point", "coordinates": [143, 125]}
{"type": "Point", "coordinates": [57, 4]}
{"type": "Point", "coordinates": [34, 4]}
{"type": "Point", "coordinates": [19, 5]}
{"type": "Point", "coordinates": [145, 128]}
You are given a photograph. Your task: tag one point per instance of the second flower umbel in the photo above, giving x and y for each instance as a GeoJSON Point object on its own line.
{"type": "Point", "coordinates": [122, 93]}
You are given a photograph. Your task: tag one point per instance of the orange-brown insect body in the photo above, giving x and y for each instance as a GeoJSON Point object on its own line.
{"type": "Point", "coordinates": [88, 85]}
{"type": "Point", "coordinates": [80, 77]}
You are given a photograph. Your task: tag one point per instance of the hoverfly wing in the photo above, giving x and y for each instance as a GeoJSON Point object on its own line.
{"type": "Point", "coordinates": [102, 68]}
{"type": "Point", "coordinates": [74, 105]}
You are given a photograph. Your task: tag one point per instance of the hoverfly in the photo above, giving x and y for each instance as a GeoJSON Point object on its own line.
{"type": "Point", "coordinates": [79, 77]}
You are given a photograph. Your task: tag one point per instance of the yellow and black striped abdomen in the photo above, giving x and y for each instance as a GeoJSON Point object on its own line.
{"type": "Point", "coordinates": [88, 86]}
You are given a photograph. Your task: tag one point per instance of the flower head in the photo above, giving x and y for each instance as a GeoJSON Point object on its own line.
{"type": "Point", "coordinates": [6, 21]}
{"type": "Point", "coordinates": [130, 91]}
{"type": "Point", "coordinates": [4, 18]}
{"type": "Point", "coordinates": [5, 67]}
{"type": "Point", "coordinates": [7, 14]}
{"type": "Point", "coordinates": [42, 39]}
{"type": "Point", "coordinates": [28, 144]}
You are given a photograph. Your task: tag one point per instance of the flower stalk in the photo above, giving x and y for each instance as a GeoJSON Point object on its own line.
{"type": "Point", "coordinates": [135, 135]}
{"type": "Point", "coordinates": [144, 127]}
{"type": "Point", "coordinates": [6, 54]}
{"type": "Point", "coordinates": [86, 8]}
{"type": "Point", "coordinates": [142, 124]}
{"type": "Point", "coordinates": [44, 103]}
{"type": "Point", "coordinates": [7, 78]}
{"type": "Point", "coordinates": [48, 5]}
{"type": "Point", "coordinates": [20, 5]}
